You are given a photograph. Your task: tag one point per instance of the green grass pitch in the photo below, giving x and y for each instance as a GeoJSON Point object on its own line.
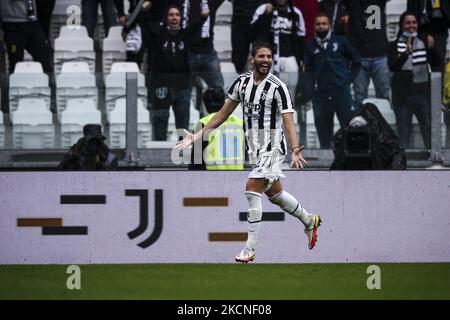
{"type": "Point", "coordinates": [227, 281]}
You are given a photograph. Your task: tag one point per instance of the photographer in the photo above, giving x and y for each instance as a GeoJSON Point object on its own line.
{"type": "Point", "coordinates": [90, 153]}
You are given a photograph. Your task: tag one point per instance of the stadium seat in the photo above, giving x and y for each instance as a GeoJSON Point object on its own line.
{"type": "Point", "coordinates": [75, 81]}
{"type": "Point", "coordinates": [114, 49]}
{"type": "Point", "coordinates": [117, 125]}
{"type": "Point", "coordinates": [78, 113]}
{"type": "Point", "coordinates": [74, 44]}
{"type": "Point", "coordinates": [229, 73]}
{"type": "Point", "coordinates": [222, 43]}
{"type": "Point", "coordinates": [394, 9]}
{"type": "Point", "coordinates": [28, 81]}
{"type": "Point", "coordinates": [115, 84]}
{"type": "Point", "coordinates": [224, 13]}
{"type": "Point", "coordinates": [60, 16]}
{"type": "Point", "coordinates": [32, 125]}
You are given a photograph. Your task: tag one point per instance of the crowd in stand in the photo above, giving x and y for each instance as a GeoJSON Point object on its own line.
{"type": "Point", "coordinates": [333, 45]}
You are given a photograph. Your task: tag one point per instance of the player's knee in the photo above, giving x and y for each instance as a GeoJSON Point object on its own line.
{"type": "Point", "coordinates": [275, 198]}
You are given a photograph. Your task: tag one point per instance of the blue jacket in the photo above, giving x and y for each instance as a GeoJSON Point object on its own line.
{"type": "Point", "coordinates": [334, 68]}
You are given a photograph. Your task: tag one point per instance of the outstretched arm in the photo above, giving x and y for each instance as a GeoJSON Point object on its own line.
{"type": "Point", "coordinates": [216, 121]}
{"type": "Point", "coordinates": [297, 158]}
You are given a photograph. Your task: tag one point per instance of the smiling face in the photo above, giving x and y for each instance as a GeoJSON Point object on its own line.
{"type": "Point", "coordinates": [173, 18]}
{"type": "Point", "coordinates": [410, 24]}
{"type": "Point", "coordinates": [262, 61]}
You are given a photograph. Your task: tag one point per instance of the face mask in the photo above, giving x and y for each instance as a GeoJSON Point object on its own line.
{"type": "Point", "coordinates": [322, 34]}
{"type": "Point", "coordinates": [408, 34]}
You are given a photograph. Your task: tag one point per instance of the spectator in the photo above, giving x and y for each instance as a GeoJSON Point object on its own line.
{"type": "Point", "coordinates": [22, 31]}
{"type": "Point", "coordinates": [171, 71]}
{"type": "Point", "coordinates": [434, 21]}
{"type": "Point", "coordinates": [408, 59]}
{"type": "Point", "coordinates": [309, 9]}
{"type": "Point", "coordinates": [203, 58]}
{"type": "Point", "coordinates": [135, 32]}
{"type": "Point", "coordinates": [241, 38]}
{"type": "Point", "coordinates": [282, 25]}
{"type": "Point", "coordinates": [214, 155]}
{"type": "Point", "coordinates": [89, 11]}
{"type": "Point", "coordinates": [90, 153]}
{"type": "Point", "coordinates": [337, 12]}
{"type": "Point", "coordinates": [372, 44]}
{"type": "Point", "coordinates": [44, 14]}
{"type": "Point", "coordinates": [334, 64]}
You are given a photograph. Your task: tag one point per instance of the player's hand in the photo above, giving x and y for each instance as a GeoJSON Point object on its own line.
{"type": "Point", "coordinates": [269, 9]}
{"type": "Point", "coordinates": [186, 142]}
{"type": "Point", "coordinates": [297, 159]}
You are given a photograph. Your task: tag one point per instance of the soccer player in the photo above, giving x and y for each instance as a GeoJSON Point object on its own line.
{"type": "Point", "coordinates": [267, 105]}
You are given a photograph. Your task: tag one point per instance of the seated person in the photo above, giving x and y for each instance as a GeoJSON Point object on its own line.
{"type": "Point", "coordinates": [90, 153]}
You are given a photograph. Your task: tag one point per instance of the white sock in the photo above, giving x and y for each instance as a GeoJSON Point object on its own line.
{"type": "Point", "coordinates": [254, 218]}
{"type": "Point", "coordinates": [290, 205]}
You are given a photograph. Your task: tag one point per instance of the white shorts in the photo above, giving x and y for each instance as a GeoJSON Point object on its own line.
{"type": "Point", "coordinates": [268, 166]}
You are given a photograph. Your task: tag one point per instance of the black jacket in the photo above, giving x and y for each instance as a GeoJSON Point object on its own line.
{"type": "Point", "coordinates": [199, 44]}
{"type": "Point", "coordinates": [402, 84]}
{"type": "Point", "coordinates": [369, 43]}
{"type": "Point", "coordinates": [170, 65]}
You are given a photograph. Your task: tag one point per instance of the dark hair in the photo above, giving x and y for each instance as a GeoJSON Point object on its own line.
{"type": "Point", "coordinates": [260, 45]}
{"type": "Point", "coordinates": [322, 15]}
{"type": "Point", "coordinates": [214, 98]}
{"type": "Point", "coordinates": [172, 6]}
{"type": "Point", "coordinates": [402, 19]}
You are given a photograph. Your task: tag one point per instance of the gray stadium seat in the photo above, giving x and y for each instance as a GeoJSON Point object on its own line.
{"type": "Point", "coordinates": [75, 81]}
{"type": "Point", "coordinates": [78, 113]}
{"type": "Point", "coordinates": [74, 44]}
{"type": "Point", "coordinates": [28, 81]}
{"type": "Point", "coordinates": [32, 125]}
{"type": "Point", "coordinates": [117, 125]}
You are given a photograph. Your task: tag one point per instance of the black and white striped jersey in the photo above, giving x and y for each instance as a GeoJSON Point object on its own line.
{"type": "Point", "coordinates": [263, 104]}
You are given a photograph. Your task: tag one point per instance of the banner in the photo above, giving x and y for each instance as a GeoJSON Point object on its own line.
{"type": "Point", "coordinates": [200, 217]}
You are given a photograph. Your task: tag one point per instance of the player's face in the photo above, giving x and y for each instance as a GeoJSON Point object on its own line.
{"type": "Point", "coordinates": [281, 3]}
{"type": "Point", "coordinates": [262, 61]}
{"type": "Point", "coordinates": [321, 24]}
{"type": "Point", "coordinates": [410, 24]}
{"type": "Point", "coordinates": [173, 18]}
